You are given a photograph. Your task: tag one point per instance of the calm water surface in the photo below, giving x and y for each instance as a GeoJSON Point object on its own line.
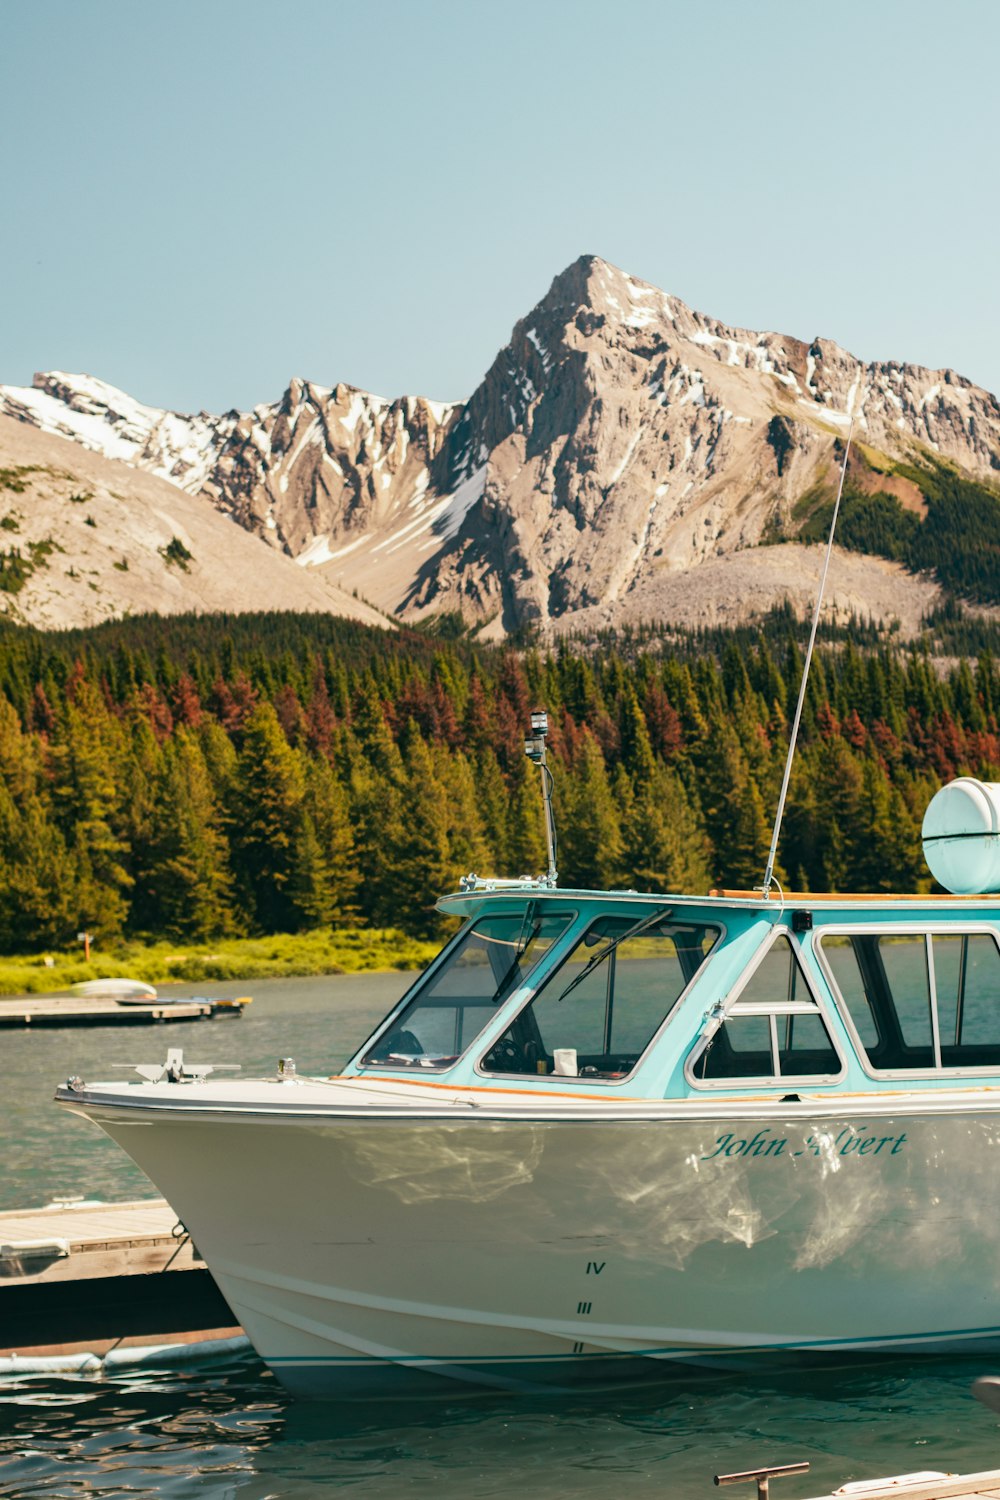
{"type": "Point", "coordinates": [227, 1429]}
{"type": "Point", "coordinates": [48, 1151]}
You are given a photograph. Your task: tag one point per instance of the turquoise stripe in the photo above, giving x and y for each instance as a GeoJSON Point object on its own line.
{"type": "Point", "coordinates": [699, 1350]}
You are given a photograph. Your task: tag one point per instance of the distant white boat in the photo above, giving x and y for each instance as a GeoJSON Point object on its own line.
{"type": "Point", "coordinates": [128, 991]}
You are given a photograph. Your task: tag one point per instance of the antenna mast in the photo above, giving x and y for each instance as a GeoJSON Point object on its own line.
{"type": "Point", "coordinates": [534, 749]}
{"type": "Point", "coordinates": [772, 852]}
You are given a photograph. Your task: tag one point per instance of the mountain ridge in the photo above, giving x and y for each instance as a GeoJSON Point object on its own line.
{"type": "Point", "coordinates": [619, 441]}
{"type": "Point", "coordinates": [85, 538]}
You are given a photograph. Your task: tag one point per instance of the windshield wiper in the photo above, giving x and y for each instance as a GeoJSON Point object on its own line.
{"type": "Point", "coordinates": [530, 926]}
{"type": "Point", "coordinates": [611, 945]}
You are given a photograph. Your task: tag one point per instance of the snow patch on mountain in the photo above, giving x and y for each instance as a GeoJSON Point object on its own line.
{"type": "Point", "coordinates": [106, 420]}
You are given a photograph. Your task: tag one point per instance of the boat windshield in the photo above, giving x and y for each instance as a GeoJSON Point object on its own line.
{"type": "Point", "coordinates": [596, 1015]}
{"type": "Point", "coordinates": [461, 996]}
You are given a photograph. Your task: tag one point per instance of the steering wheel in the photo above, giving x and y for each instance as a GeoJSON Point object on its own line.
{"type": "Point", "coordinates": [506, 1056]}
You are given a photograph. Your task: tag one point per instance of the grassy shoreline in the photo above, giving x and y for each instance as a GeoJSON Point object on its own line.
{"type": "Point", "coordinates": [348, 951]}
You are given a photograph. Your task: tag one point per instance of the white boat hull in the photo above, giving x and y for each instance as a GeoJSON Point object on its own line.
{"type": "Point", "coordinates": [378, 1252]}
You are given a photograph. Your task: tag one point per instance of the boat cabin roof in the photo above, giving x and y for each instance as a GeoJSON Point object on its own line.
{"type": "Point", "coordinates": [490, 895]}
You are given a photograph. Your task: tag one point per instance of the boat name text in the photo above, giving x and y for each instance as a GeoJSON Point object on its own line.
{"type": "Point", "coordinates": [850, 1142]}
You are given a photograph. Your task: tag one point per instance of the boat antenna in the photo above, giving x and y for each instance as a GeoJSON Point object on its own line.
{"type": "Point", "coordinates": [769, 871]}
{"type": "Point", "coordinates": [534, 749]}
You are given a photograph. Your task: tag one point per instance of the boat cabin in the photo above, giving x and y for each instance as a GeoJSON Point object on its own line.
{"type": "Point", "coordinates": [651, 997]}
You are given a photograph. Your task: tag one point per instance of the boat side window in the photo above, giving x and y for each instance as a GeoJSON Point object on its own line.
{"type": "Point", "coordinates": [598, 1012]}
{"type": "Point", "coordinates": [907, 977]}
{"type": "Point", "coordinates": [774, 1029]}
{"type": "Point", "coordinates": [920, 1000]}
{"type": "Point", "coordinates": [844, 958]}
{"type": "Point", "coordinates": [967, 980]}
{"type": "Point", "coordinates": [459, 998]}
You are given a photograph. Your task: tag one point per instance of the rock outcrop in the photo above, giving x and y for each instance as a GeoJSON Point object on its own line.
{"type": "Point", "coordinates": [84, 538]}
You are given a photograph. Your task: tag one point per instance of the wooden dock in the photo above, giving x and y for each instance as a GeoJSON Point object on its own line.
{"type": "Point", "coordinates": [101, 1276]}
{"type": "Point", "coordinates": [928, 1484]}
{"type": "Point", "coordinates": [81, 1010]}
{"type": "Point", "coordinates": [982, 1486]}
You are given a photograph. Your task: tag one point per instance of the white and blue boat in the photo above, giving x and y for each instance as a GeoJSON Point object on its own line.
{"type": "Point", "coordinates": [610, 1126]}
{"type": "Point", "coordinates": [613, 1127]}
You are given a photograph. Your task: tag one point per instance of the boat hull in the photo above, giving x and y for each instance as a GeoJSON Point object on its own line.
{"type": "Point", "coordinates": [365, 1254]}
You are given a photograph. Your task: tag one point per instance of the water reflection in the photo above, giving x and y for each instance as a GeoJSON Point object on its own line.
{"type": "Point", "coordinates": [229, 1431]}
{"type": "Point", "coordinates": [189, 1434]}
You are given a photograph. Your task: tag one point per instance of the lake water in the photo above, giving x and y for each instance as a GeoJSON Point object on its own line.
{"type": "Point", "coordinates": [49, 1152]}
{"type": "Point", "coordinates": [227, 1429]}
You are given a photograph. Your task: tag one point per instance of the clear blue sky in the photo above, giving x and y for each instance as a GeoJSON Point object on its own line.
{"type": "Point", "coordinates": [202, 199]}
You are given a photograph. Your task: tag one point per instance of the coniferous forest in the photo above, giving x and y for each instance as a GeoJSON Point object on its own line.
{"type": "Point", "coordinates": [195, 777]}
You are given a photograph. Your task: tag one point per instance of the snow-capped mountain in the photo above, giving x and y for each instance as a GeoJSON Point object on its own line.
{"type": "Point", "coordinates": [106, 420]}
{"type": "Point", "coordinates": [617, 442]}
{"type": "Point", "coordinates": [88, 538]}
{"type": "Point", "coordinates": [322, 469]}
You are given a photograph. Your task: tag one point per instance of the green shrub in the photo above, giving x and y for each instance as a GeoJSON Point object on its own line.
{"type": "Point", "coordinates": [176, 552]}
{"type": "Point", "coordinates": [958, 540]}
{"type": "Point", "coordinates": [875, 524]}
{"type": "Point", "coordinates": [323, 951]}
{"type": "Point", "coordinates": [14, 479]}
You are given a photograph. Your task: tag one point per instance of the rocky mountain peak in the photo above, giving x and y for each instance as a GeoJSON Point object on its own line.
{"type": "Point", "coordinates": [618, 441]}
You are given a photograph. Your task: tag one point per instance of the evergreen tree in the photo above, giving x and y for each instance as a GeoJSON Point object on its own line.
{"type": "Point", "coordinates": [188, 886]}
{"type": "Point", "coordinates": [265, 811]}
{"type": "Point", "coordinates": [722, 782]}
{"type": "Point", "coordinates": [422, 867]}
{"type": "Point", "coordinates": [327, 874]}
{"type": "Point", "coordinates": [525, 834]}
{"type": "Point", "coordinates": [89, 791]}
{"type": "Point", "coordinates": [38, 897]}
{"type": "Point", "coordinates": [636, 749]}
{"type": "Point", "coordinates": [493, 805]}
{"type": "Point", "coordinates": [665, 847]}
{"type": "Point", "coordinates": [838, 820]}
{"type": "Point", "coordinates": [750, 843]}
{"type": "Point", "coordinates": [375, 795]}
{"type": "Point", "coordinates": [468, 846]}
{"type": "Point", "coordinates": [591, 838]}
{"type": "Point", "coordinates": [143, 771]}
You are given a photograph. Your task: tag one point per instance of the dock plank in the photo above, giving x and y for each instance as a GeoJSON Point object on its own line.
{"type": "Point", "coordinates": [83, 1222]}
{"type": "Point", "coordinates": [85, 1241]}
{"type": "Point", "coordinates": [984, 1485]}
{"type": "Point", "coordinates": [91, 1275]}
{"type": "Point", "coordinates": [82, 1010]}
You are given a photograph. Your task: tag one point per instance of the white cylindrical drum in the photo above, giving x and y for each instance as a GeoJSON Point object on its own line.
{"type": "Point", "coordinates": [961, 834]}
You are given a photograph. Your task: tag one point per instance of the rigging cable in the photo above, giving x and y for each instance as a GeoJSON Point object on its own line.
{"type": "Point", "coordinates": [772, 852]}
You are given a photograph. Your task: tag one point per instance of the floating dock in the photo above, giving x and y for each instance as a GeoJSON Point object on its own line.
{"type": "Point", "coordinates": [82, 1010]}
{"type": "Point", "coordinates": [928, 1484]}
{"type": "Point", "coordinates": [982, 1486]}
{"type": "Point", "coordinates": [91, 1278]}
